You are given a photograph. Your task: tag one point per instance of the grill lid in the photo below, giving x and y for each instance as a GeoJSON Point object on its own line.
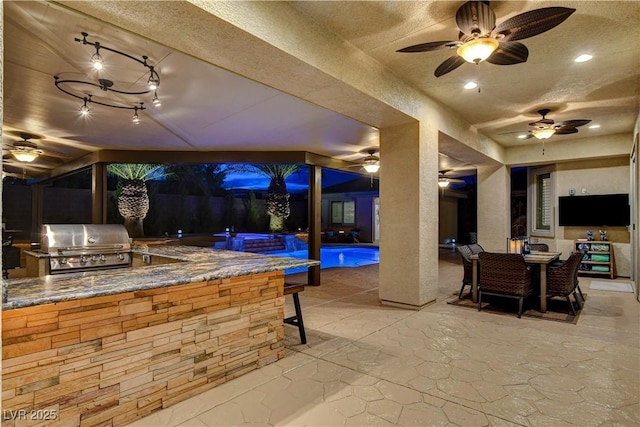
{"type": "Point", "coordinates": [83, 238]}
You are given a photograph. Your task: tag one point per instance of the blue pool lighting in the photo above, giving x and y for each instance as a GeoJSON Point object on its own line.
{"type": "Point", "coordinates": [337, 256]}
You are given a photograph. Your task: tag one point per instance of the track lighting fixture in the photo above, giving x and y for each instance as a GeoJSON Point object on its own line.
{"type": "Point", "coordinates": [96, 58]}
{"type": "Point", "coordinates": [77, 88]}
{"type": "Point", "coordinates": [136, 119]}
{"type": "Point", "coordinates": [84, 109]}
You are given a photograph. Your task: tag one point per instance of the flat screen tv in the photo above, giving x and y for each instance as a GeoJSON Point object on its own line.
{"type": "Point", "coordinates": [594, 211]}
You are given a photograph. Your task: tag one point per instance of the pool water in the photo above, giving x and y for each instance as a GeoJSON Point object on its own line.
{"type": "Point", "coordinates": [248, 236]}
{"type": "Point", "coordinates": [337, 256]}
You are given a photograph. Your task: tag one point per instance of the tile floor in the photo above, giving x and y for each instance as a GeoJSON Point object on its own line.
{"type": "Point", "coordinates": [371, 365]}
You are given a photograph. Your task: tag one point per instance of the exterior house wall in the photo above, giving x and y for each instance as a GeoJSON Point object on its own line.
{"type": "Point", "coordinates": [590, 176]}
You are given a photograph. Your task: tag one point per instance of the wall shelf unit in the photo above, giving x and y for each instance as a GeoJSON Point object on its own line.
{"type": "Point", "coordinates": [598, 260]}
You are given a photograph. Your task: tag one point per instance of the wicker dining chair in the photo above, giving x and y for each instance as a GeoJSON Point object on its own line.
{"type": "Point", "coordinates": [475, 248]}
{"type": "Point", "coordinates": [562, 280]}
{"type": "Point", "coordinates": [467, 265]}
{"type": "Point", "coordinates": [540, 247]}
{"type": "Point", "coordinates": [504, 275]}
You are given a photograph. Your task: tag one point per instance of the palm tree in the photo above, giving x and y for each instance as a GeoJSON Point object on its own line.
{"type": "Point", "coordinates": [133, 201]}
{"type": "Point", "coordinates": [277, 195]}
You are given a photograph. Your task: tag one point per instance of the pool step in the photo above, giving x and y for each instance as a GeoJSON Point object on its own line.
{"type": "Point", "coordinates": [263, 245]}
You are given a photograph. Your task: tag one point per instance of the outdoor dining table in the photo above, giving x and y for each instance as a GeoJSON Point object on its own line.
{"type": "Point", "coordinates": [541, 258]}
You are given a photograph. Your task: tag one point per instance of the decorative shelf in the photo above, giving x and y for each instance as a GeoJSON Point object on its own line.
{"type": "Point", "coordinates": [598, 258]}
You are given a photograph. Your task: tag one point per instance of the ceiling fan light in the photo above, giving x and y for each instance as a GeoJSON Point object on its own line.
{"type": "Point", "coordinates": [25, 154]}
{"type": "Point", "coordinates": [156, 101]}
{"type": "Point", "coordinates": [443, 182]}
{"type": "Point", "coordinates": [471, 85]}
{"type": "Point", "coordinates": [477, 50]}
{"type": "Point", "coordinates": [545, 133]}
{"type": "Point", "coordinates": [371, 167]}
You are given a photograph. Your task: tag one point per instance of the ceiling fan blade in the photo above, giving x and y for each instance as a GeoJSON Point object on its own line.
{"type": "Point", "coordinates": [565, 131]}
{"type": "Point", "coordinates": [449, 65]}
{"type": "Point", "coordinates": [572, 123]}
{"type": "Point", "coordinates": [431, 46]}
{"type": "Point", "coordinates": [475, 16]}
{"type": "Point", "coordinates": [532, 23]}
{"type": "Point", "coordinates": [529, 136]}
{"type": "Point", "coordinates": [509, 53]}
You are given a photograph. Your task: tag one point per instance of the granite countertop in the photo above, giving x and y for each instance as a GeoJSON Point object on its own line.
{"type": "Point", "coordinates": [200, 264]}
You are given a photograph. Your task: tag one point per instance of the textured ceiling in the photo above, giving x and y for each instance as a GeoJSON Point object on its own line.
{"type": "Point", "coordinates": [604, 90]}
{"type": "Point", "coordinates": [207, 108]}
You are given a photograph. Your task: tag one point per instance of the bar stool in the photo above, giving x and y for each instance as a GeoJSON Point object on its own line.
{"type": "Point", "coordinates": [293, 289]}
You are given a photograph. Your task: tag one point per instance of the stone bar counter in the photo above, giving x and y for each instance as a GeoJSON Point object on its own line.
{"type": "Point", "coordinates": [111, 346]}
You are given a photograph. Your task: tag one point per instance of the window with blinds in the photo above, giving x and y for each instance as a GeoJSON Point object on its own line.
{"type": "Point", "coordinates": [541, 195]}
{"type": "Point", "coordinates": [543, 202]}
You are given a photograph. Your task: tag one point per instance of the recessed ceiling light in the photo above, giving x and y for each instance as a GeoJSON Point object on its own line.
{"type": "Point", "coordinates": [471, 85]}
{"type": "Point", "coordinates": [594, 126]}
{"type": "Point", "coordinates": [583, 58]}
{"type": "Point", "coordinates": [522, 136]}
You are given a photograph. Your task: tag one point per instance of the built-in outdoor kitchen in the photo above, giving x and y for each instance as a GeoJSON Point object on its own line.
{"type": "Point", "coordinates": [106, 331]}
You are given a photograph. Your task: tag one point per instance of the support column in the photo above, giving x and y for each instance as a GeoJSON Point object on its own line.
{"type": "Point", "coordinates": [99, 193]}
{"type": "Point", "coordinates": [315, 207]}
{"type": "Point", "coordinates": [37, 195]}
{"type": "Point", "coordinates": [494, 207]}
{"type": "Point", "coordinates": [409, 215]}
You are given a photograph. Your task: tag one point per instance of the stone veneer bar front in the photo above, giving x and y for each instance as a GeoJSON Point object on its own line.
{"type": "Point", "coordinates": [110, 347]}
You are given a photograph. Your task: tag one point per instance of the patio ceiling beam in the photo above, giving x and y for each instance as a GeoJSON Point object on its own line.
{"type": "Point", "coordinates": [132, 156]}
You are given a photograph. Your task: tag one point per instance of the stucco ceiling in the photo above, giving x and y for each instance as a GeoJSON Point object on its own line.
{"type": "Point", "coordinates": [208, 108]}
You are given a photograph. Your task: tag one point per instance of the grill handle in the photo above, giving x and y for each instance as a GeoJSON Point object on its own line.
{"type": "Point", "coordinates": [91, 248]}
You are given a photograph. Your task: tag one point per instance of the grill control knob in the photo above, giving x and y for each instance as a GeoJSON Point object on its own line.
{"type": "Point", "coordinates": [83, 259]}
{"type": "Point", "coordinates": [63, 261]}
{"type": "Point", "coordinates": [103, 258]}
{"type": "Point", "coordinates": [120, 257]}
{"type": "Point", "coordinates": [94, 258]}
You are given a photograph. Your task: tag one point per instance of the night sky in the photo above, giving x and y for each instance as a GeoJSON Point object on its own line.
{"type": "Point", "coordinates": [296, 183]}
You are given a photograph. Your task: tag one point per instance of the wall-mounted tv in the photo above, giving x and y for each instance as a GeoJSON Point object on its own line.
{"type": "Point", "coordinates": [594, 211]}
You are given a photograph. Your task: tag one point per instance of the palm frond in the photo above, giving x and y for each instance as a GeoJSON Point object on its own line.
{"type": "Point", "coordinates": [270, 170]}
{"type": "Point", "coordinates": [138, 171]}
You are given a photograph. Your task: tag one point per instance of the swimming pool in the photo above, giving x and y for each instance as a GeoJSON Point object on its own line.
{"type": "Point", "coordinates": [337, 256]}
{"type": "Point", "coordinates": [249, 236]}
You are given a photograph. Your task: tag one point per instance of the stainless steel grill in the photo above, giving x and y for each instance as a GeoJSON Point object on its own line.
{"type": "Point", "coordinates": [84, 247]}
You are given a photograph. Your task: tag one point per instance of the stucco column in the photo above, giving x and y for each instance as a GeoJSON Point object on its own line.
{"type": "Point", "coordinates": [408, 215]}
{"type": "Point", "coordinates": [494, 207]}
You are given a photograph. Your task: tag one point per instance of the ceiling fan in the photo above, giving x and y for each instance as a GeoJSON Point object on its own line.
{"type": "Point", "coordinates": [371, 163]}
{"type": "Point", "coordinates": [546, 128]}
{"type": "Point", "coordinates": [26, 151]}
{"type": "Point", "coordinates": [444, 181]}
{"type": "Point", "coordinates": [480, 39]}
